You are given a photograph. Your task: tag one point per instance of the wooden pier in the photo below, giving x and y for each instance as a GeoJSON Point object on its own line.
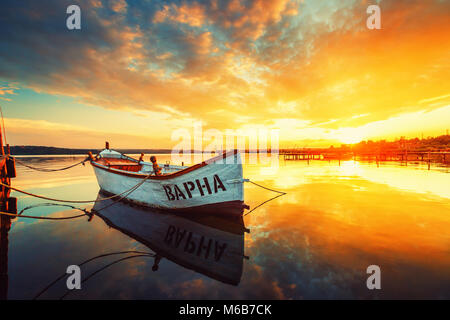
{"type": "Point", "coordinates": [404, 157]}
{"type": "Point", "coordinates": [303, 156]}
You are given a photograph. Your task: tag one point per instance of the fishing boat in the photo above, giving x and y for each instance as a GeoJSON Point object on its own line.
{"type": "Point", "coordinates": [187, 188]}
{"type": "Point", "coordinates": [208, 244]}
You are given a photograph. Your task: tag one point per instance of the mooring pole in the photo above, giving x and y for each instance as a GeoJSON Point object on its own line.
{"type": "Point", "coordinates": [7, 171]}
{"type": "Point", "coordinates": [3, 172]}
{"type": "Point", "coordinates": [1, 141]}
{"type": "Point", "coordinates": [5, 225]}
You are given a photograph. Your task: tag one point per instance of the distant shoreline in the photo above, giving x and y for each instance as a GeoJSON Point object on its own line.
{"type": "Point", "coordinates": [55, 151]}
{"type": "Point", "coordinates": [41, 150]}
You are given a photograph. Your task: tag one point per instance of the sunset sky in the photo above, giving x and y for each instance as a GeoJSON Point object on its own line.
{"type": "Point", "coordinates": [138, 70]}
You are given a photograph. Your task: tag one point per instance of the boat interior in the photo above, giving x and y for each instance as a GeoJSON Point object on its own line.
{"type": "Point", "coordinates": [116, 160]}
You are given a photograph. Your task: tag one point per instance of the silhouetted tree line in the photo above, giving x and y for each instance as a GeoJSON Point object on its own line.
{"type": "Point", "coordinates": [431, 144]}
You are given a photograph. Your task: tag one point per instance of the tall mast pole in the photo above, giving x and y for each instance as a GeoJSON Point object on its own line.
{"type": "Point", "coordinates": [1, 137]}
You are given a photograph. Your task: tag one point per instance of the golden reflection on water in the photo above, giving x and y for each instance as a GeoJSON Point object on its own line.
{"type": "Point", "coordinates": [354, 215]}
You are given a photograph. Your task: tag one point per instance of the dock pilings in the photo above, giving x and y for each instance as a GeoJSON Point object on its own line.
{"type": "Point", "coordinates": [9, 205]}
{"type": "Point", "coordinates": [403, 157]}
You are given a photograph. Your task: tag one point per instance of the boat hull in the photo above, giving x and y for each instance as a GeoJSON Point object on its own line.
{"type": "Point", "coordinates": [212, 183]}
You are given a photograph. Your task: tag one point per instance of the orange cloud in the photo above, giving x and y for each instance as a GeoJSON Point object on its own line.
{"type": "Point", "coordinates": [118, 5]}
{"type": "Point", "coordinates": [202, 43]}
{"type": "Point", "coordinates": [7, 90]}
{"type": "Point", "coordinates": [191, 14]}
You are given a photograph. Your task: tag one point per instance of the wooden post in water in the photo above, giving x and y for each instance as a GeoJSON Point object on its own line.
{"type": "Point", "coordinates": [5, 225]}
{"type": "Point", "coordinates": [3, 172]}
{"type": "Point", "coordinates": [7, 171]}
{"type": "Point", "coordinates": [2, 151]}
{"type": "Point", "coordinates": [6, 205]}
{"type": "Point", "coordinates": [429, 161]}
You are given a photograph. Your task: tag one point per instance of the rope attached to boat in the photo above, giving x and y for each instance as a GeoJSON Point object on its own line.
{"type": "Point", "coordinates": [50, 170]}
{"type": "Point", "coordinates": [281, 193]}
{"type": "Point", "coordinates": [273, 190]}
{"type": "Point", "coordinates": [86, 213]}
{"type": "Point", "coordinates": [79, 201]}
{"type": "Point", "coordinates": [119, 197]}
{"type": "Point", "coordinates": [42, 218]}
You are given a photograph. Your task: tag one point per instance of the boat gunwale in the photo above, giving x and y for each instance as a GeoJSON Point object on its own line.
{"type": "Point", "coordinates": [166, 176]}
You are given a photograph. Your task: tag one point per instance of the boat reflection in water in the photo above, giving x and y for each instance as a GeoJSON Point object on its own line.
{"type": "Point", "coordinates": [206, 243]}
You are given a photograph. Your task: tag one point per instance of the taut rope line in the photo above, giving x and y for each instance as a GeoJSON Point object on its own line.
{"type": "Point", "coordinates": [50, 170]}
{"type": "Point", "coordinates": [281, 193]}
{"type": "Point", "coordinates": [42, 218]}
{"type": "Point", "coordinates": [79, 201]}
{"type": "Point", "coordinates": [14, 215]}
{"type": "Point", "coordinates": [273, 190]}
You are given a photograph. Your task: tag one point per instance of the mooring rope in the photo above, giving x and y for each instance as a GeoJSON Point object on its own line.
{"type": "Point", "coordinates": [87, 261]}
{"type": "Point", "coordinates": [113, 203]}
{"type": "Point", "coordinates": [4, 128]}
{"type": "Point", "coordinates": [86, 213]}
{"type": "Point", "coordinates": [273, 190]}
{"type": "Point", "coordinates": [281, 193]}
{"type": "Point", "coordinates": [79, 201]}
{"type": "Point", "coordinates": [51, 170]}
{"type": "Point", "coordinates": [48, 204]}
{"type": "Point", "coordinates": [42, 218]}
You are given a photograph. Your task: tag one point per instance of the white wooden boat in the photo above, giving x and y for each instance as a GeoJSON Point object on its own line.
{"type": "Point", "coordinates": [215, 181]}
{"type": "Point", "coordinates": [208, 244]}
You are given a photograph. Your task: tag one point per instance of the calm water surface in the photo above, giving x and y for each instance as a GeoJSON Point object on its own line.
{"type": "Point", "coordinates": [314, 242]}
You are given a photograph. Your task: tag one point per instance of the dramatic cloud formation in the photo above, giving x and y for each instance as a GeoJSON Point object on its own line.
{"type": "Point", "coordinates": [311, 68]}
{"type": "Point", "coordinates": [7, 90]}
